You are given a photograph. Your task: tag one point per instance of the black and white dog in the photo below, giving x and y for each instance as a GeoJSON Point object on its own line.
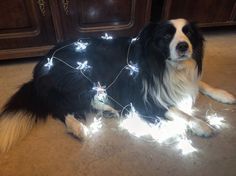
{"type": "Point", "coordinates": [155, 72]}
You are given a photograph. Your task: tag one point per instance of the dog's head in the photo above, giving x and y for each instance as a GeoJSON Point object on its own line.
{"type": "Point", "coordinates": [174, 40]}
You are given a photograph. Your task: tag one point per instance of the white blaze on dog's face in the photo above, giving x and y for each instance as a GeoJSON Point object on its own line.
{"type": "Point", "coordinates": [180, 45]}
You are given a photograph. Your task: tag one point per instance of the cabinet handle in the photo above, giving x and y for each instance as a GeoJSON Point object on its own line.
{"type": "Point", "coordinates": [66, 6]}
{"type": "Point", "coordinates": [42, 6]}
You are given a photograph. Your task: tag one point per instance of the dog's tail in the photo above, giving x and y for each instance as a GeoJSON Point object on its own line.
{"type": "Point", "coordinates": [24, 109]}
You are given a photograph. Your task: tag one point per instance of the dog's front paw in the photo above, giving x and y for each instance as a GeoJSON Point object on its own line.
{"type": "Point", "coordinates": [80, 131]}
{"type": "Point", "coordinates": [231, 99]}
{"type": "Point", "coordinates": [227, 97]}
{"type": "Point", "coordinates": [200, 128]}
{"type": "Point", "coordinates": [75, 127]}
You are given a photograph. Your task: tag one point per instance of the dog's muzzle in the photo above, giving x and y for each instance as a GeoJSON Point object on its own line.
{"type": "Point", "coordinates": [182, 49]}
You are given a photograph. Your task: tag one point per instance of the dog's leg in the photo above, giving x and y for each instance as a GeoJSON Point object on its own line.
{"type": "Point", "coordinates": [196, 125]}
{"type": "Point", "coordinates": [216, 94]}
{"type": "Point", "coordinates": [77, 128]}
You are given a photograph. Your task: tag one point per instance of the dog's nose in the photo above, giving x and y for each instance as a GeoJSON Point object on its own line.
{"type": "Point", "coordinates": [182, 46]}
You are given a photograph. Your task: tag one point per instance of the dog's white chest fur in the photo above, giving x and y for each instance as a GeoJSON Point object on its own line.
{"type": "Point", "coordinates": [180, 82]}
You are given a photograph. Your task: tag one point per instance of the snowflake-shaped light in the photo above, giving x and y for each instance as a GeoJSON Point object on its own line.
{"type": "Point", "coordinates": [49, 64]}
{"type": "Point", "coordinates": [101, 93]}
{"type": "Point", "coordinates": [83, 66]}
{"type": "Point", "coordinates": [164, 132]}
{"type": "Point", "coordinates": [216, 121]}
{"type": "Point", "coordinates": [185, 145]}
{"type": "Point", "coordinates": [106, 37]}
{"type": "Point", "coordinates": [95, 125]}
{"type": "Point", "coordinates": [80, 45]}
{"type": "Point", "coordinates": [133, 68]}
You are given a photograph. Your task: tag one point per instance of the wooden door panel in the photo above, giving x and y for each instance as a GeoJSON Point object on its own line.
{"type": "Point", "coordinates": [204, 12]}
{"type": "Point", "coordinates": [121, 17]}
{"type": "Point", "coordinates": [92, 13]}
{"type": "Point", "coordinates": [233, 14]}
{"type": "Point", "coordinates": [13, 21]}
{"type": "Point", "coordinates": [25, 23]}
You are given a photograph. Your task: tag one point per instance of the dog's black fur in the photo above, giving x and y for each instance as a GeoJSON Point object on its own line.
{"type": "Point", "coordinates": [63, 90]}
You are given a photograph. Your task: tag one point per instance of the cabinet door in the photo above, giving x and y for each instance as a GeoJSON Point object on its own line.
{"type": "Point", "coordinates": [93, 17]}
{"type": "Point", "coordinates": [206, 13]}
{"type": "Point", "coordinates": [26, 28]}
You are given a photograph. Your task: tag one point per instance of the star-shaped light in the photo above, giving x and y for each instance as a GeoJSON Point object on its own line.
{"type": "Point", "coordinates": [106, 37]}
{"type": "Point", "coordinates": [96, 125]}
{"type": "Point", "coordinates": [80, 45]}
{"type": "Point", "coordinates": [49, 64]}
{"type": "Point", "coordinates": [101, 94]}
{"type": "Point", "coordinates": [216, 121]}
{"type": "Point", "coordinates": [133, 68]}
{"type": "Point", "coordinates": [83, 66]}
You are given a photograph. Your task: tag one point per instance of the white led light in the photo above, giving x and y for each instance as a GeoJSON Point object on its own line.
{"type": "Point", "coordinates": [173, 132]}
{"type": "Point", "coordinates": [83, 66]}
{"type": "Point", "coordinates": [216, 121]}
{"type": "Point", "coordinates": [185, 145]}
{"type": "Point", "coordinates": [162, 132]}
{"type": "Point", "coordinates": [134, 124]}
{"type": "Point", "coordinates": [96, 125]}
{"type": "Point", "coordinates": [101, 94]}
{"type": "Point", "coordinates": [134, 40]}
{"type": "Point", "coordinates": [106, 37]}
{"type": "Point", "coordinates": [49, 64]}
{"type": "Point", "coordinates": [80, 45]}
{"type": "Point", "coordinates": [186, 105]}
{"type": "Point", "coordinates": [133, 68]}
{"type": "Point", "coordinates": [168, 132]}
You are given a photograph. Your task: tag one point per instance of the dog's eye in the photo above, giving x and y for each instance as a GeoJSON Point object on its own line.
{"type": "Point", "coordinates": [187, 31]}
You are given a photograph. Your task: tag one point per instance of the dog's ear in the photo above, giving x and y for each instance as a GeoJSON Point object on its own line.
{"type": "Point", "coordinates": [147, 31]}
{"type": "Point", "coordinates": [197, 31]}
{"type": "Point", "coordinates": [147, 34]}
{"type": "Point", "coordinates": [197, 40]}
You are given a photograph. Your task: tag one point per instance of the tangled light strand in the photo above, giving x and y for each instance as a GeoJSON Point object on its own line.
{"type": "Point", "coordinates": [83, 66]}
{"type": "Point", "coordinates": [160, 133]}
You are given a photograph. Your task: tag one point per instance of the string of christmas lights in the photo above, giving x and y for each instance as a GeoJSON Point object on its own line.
{"type": "Point", "coordinates": [80, 46]}
{"type": "Point", "coordinates": [161, 132]}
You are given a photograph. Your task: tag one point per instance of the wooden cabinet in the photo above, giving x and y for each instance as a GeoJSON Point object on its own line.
{"type": "Point", "coordinates": [93, 17]}
{"type": "Point", "coordinates": [31, 27]}
{"type": "Point", "coordinates": [205, 12]}
{"type": "Point", "coordinates": [26, 28]}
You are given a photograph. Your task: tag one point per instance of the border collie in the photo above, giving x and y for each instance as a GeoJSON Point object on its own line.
{"type": "Point", "coordinates": [155, 72]}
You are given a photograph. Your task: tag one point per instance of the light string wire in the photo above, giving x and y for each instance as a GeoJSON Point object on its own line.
{"type": "Point", "coordinates": [183, 142]}
{"type": "Point", "coordinates": [113, 82]}
{"type": "Point", "coordinates": [131, 105]}
{"type": "Point", "coordinates": [124, 108]}
{"type": "Point", "coordinates": [120, 72]}
{"type": "Point", "coordinates": [127, 62]}
{"type": "Point", "coordinates": [127, 56]}
{"type": "Point", "coordinates": [61, 48]}
{"type": "Point", "coordinates": [73, 68]}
